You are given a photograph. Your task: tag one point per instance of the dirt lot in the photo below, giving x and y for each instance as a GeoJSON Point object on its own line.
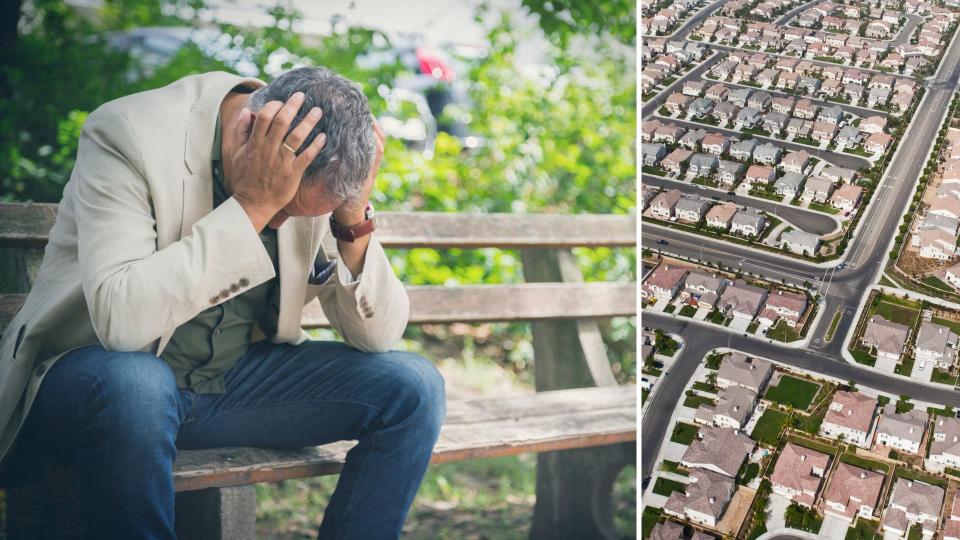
{"type": "Point", "coordinates": [737, 511]}
{"type": "Point", "coordinates": [912, 264]}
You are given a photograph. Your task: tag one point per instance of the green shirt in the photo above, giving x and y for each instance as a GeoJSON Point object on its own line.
{"type": "Point", "coordinates": [205, 347]}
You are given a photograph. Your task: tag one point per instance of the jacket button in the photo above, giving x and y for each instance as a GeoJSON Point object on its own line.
{"type": "Point", "coordinates": [234, 287]}
{"type": "Point", "coordinates": [224, 293]}
{"type": "Point", "coordinates": [368, 314]}
{"type": "Point", "coordinates": [41, 369]}
{"type": "Point", "coordinates": [213, 300]}
{"type": "Point", "coordinates": [244, 282]}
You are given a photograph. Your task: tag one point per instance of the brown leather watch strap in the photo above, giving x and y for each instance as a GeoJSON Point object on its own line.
{"type": "Point", "coordinates": [351, 233]}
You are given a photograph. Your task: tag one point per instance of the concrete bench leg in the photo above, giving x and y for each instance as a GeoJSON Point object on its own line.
{"type": "Point", "coordinates": [575, 492]}
{"type": "Point", "coordinates": [217, 514]}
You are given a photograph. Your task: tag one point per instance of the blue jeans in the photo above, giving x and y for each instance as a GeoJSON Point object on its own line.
{"type": "Point", "coordinates": [121, 418]}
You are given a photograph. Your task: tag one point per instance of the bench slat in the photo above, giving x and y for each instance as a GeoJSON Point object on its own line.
{"type": "Point", "coordinates": [29, 223]}
{"type": "Point", "coordinates": [554, 420]}
{"type": "Point", "coordinates": [476, 303]}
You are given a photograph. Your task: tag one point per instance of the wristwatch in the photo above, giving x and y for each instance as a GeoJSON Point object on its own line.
{"type": "Point", "coordinates": [351, 233]}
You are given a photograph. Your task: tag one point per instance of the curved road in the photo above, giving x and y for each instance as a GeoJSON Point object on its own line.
{"type": "Point", "coordinates": [808, 220]}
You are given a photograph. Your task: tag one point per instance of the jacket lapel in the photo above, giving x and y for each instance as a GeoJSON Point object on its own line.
{"type": "Point", "coordinates": [294, 238]}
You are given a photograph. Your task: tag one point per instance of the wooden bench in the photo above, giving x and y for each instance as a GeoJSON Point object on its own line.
{"type": "Point", "coordinates": [580, 421]}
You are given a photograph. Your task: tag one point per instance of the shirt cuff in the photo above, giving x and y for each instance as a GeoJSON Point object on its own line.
{"type": "Point", "coordinates": [320, 273]}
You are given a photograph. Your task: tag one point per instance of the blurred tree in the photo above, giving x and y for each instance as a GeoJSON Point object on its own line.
{"type": "Point", "coordinates": [562, 19]}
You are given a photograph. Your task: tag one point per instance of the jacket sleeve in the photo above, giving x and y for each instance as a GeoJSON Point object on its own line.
{"type": "Point", "coordinates": [371, 312]}
{"type": "Point", "coordinates": [134, 292]}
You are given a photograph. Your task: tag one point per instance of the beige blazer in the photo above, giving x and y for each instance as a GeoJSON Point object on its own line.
{"type": "Point", "coordinates": [137, 248]}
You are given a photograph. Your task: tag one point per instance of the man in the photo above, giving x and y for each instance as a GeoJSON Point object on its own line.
{"type": "Point", "coordinates": [189, 232]}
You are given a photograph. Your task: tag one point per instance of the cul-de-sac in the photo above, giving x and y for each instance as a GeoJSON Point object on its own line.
{"type": "Point", "coordinates": [800, 216]}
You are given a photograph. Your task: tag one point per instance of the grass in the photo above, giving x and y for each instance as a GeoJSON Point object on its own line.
{"type": "Point", "coordinates": [684, 433]}
{"type": "Point", "coordinates": [897, 310]}
{"type": "Point", "coordinates": [649, 520]}
{"type": "Point", "coordinates": [750, 471]}
{"type": "Point", "coordinates": [864, 529]}
{"type": "Point", "coordinates": [823, 208]}
{"type": "Point", "coordinates": [952, 472]}
{"type": "Point", "coordinates": [800, 517]}
{"type": "Point", "coordinates": [902, 406]}
{"type": "Point", "coordinates": [713, 361]}
{"type": "Point", "coordinates": [937, 283]}
{"type": "Point", "coordinates": [813, 445]}
{"type": "Point", "coordinates": [792, 391]}
{"type": "Point", "coordinates": [670, 308]}
{"type": "Point", "coordinates": [911, 474]}
{"type": "Point", "coordinates": [688, 311]}
{"type": "Point", "coordinates": [705, 387]}
{"type": "Point", "coordinates": [955, 326]}
{"type": "Point", "coordinates": [833, 325]}
{"type": "Point", "coordinates": [673, 466]}
{"type": "Point", "coordinates": [769, 426]}
{"type": "Point", "coordinates": [716, 317]}
{"type": "Point", "coordinates": [915, 533]}
{"type": "Point", "coordinates": [864, 463]}
{"type": "Point", "coordinates": [943, 377]}
{"type": "Point", "coordinates": [665, 487]}
{"type": "Point", "coordinates": [863, 357]}
{"type": "Point", "coordinates": [694, 401]}
{"type": "Point", "coordinates": [783, 332]}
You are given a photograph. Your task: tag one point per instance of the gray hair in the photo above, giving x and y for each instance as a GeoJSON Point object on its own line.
{"type": "Point", "coordinates": [348, 153]}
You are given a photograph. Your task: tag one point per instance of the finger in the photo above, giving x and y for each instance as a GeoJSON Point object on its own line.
{"type": "Point", "coordinates": [262, 121]}
{"type": "Point", "coordinates": [302, 131]}
{"type": "Point", "coordinates": [284, 119]}
{"type": "Point", "coordinates": [245, 124]}
{"type": "Point", "coordinates": [378, 131]}
{"type": "Point", "coordinates": [306, 156]}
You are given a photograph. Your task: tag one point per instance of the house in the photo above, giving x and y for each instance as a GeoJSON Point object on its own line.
{"type": "Point", "coordinates": [663, 205]}
{"type": "Point", "coordinates": [743, 150]}
{"type": "Point", "coordinates": [847, 197]}
{"type": "Point", "coordinates": [725, 112]}
{"type": "Point", "coordinates": [824, 131]}
{"type": "Point", "coordinates": [675, 160]}
{"type": "Point", "coordinates": [952, 275]}
{"type": "Point", "coordinates": [783, 305]}
{"type": "Point", "coordinates": [705, 500]}
{"type": "Point", "coordinates": [837, 174]}
{"type": "Point", "coordinates": [946, 224]}
{"type": "Point", "coordinates": [936, 345]}
{"type": "Point", "coordinates": [783, 105]}
{"type": "Point", "coordinates": [721, 215]}
{"type": "Point", "coordinates": [886, 337]}
{"type": "Point", "coordinates": [852, 491]}
{"type": "Point", "coordinates": [817, 189]}
{"type": "Point", "coordinates": [694, 88]}
{"type": "Point", "coordinates": [729, 172]}
{"type": "Point", "coordinates": [663, 282]}
{"type": "Point", "coordinates": [748, 223]}
{"type": "Point", "coordinates": [850, 416]}
{"type": "Point", "coordinates": [647, 127]}
{"type": "Point", "coordinates": [739, 96]}
{"type": "Point", "coordinates": [691, 209]}
{"type": "Point", "coordinates": [652, 153]}
{"type": "Point", "coordinates": [666, 530]}
{"type": "Point", "coordinates": [717, 92]}
{"type": "Point", "coordinates": [788, 184]}
{"type": "Point", "coordinates": [742, 301]}
{"type": "Point", "coordinates": [715, 144]}
{"type": "Point", "coordinates": [901, 431]}
{"type": "Point", "coordinates": [945, 206]}
{"type": "Point", "coordinates": [800, 242]}
{"type": "Point", "coordinates": [760, 174]}
{"type": "Point", "coordinates": [759, 100]}
{"type": "Point", "coordinates": [911, 502]}
{"type": "Point", "coordinates": [849, 136]}
{"type": "Point", "coordinates": [702, 164]}
{"type": "Point", "coordinates": [936, 244]}
{"type": "Point", "coordinates": [748, 117]}
{"type": "Point", "coordinates": [647, 195]}
{"type": "Point", "coordinates": [809, 85]}
{"type": "Point", "coordinates": [677, 102]}
{"type": "Point", "coordinates": [669, 133]}
{"type": "Point", "coordinates": [702, 452]}
{"type": "Point", "coordinates": [878, 143]}
{"type": "Point", "coordinates": [873, 124]}
{"type": "Point", "coordinates": [767, 154]}
{"type": "Point", "coordinates": [691, 139]}
{"type": "Point", "coordinates": [738, 369]}
{"type": "Point", "coordinates": [701, 107]}
{"type": "Point", "coordinates": [798, 473]}
{"type": "Point", "coordinates": [702, 289]}
{"type": "Point", "coordinates": [799, 128]}
{"type": "Point", "coordinates": [734, 406]}
{"type": "Point", "coordinates": [853, 91]}
{"type": "Point", "coordinates": [832, 115]}
{"type": "Point", "coordinates": [806, 109]}
{"type": "Point", "coordinates": [945, 447]}
{"type": "Point", "coordinates": [774, 122]}
{"type": "Point", "coordinates": [795, 161]}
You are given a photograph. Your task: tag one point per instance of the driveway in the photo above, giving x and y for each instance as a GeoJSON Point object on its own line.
{"type": "Point", "coordinates": [922, 375]}
{"type": "Point", "coordinates": [777, 509]}
{"type": "Point", "coordinates": [739, 324]}
{"type": "Point", "coordinates": [834, 527]}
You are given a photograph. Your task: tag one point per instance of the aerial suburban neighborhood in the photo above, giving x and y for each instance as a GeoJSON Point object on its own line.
{"type": "Point", "coordinates": [800, 293]}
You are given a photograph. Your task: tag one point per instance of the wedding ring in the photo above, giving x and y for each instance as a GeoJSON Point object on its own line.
{"type": "Point", "coordinates": [287, 146]}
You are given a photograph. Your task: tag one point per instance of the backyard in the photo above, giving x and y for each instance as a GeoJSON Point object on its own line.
{"type": "Point", "coordinates": [793, 392]}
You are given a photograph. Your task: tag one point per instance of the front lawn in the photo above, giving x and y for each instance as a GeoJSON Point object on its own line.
{"type": "Point", "coordinates": [674, 467]}
{"type": "Point", "coordinates": [864, 530]}
{"type": "Point", "coordinates": [863, 357]}
{"type": "Point", "coordinates": [943, 377]}
{"type": "Point", "coordinates": [684, 433]}
{"type": "Point", "coordinates": [694, 401]}
{"type": "Point", "coordinates": [665, 487]}
{"type": "Point", "coordinates": [769, 426]}
{"type": "Point", "coordinates": [905, 366]}
{"type": "Point", "coordinates": [823, 208]}
{"type": "Point", "coordinates": [792, 391]}
{"type": "Point", "coordinates": [687, 311]}
{"type": "Point", "coordinates": [716, 317]}
{"type": "Point", "coordinates": [803, 518]}
{"type": "Point", "coordinates": [649, 520]}
{"type": "Point", "coordinates": [783, 332]}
